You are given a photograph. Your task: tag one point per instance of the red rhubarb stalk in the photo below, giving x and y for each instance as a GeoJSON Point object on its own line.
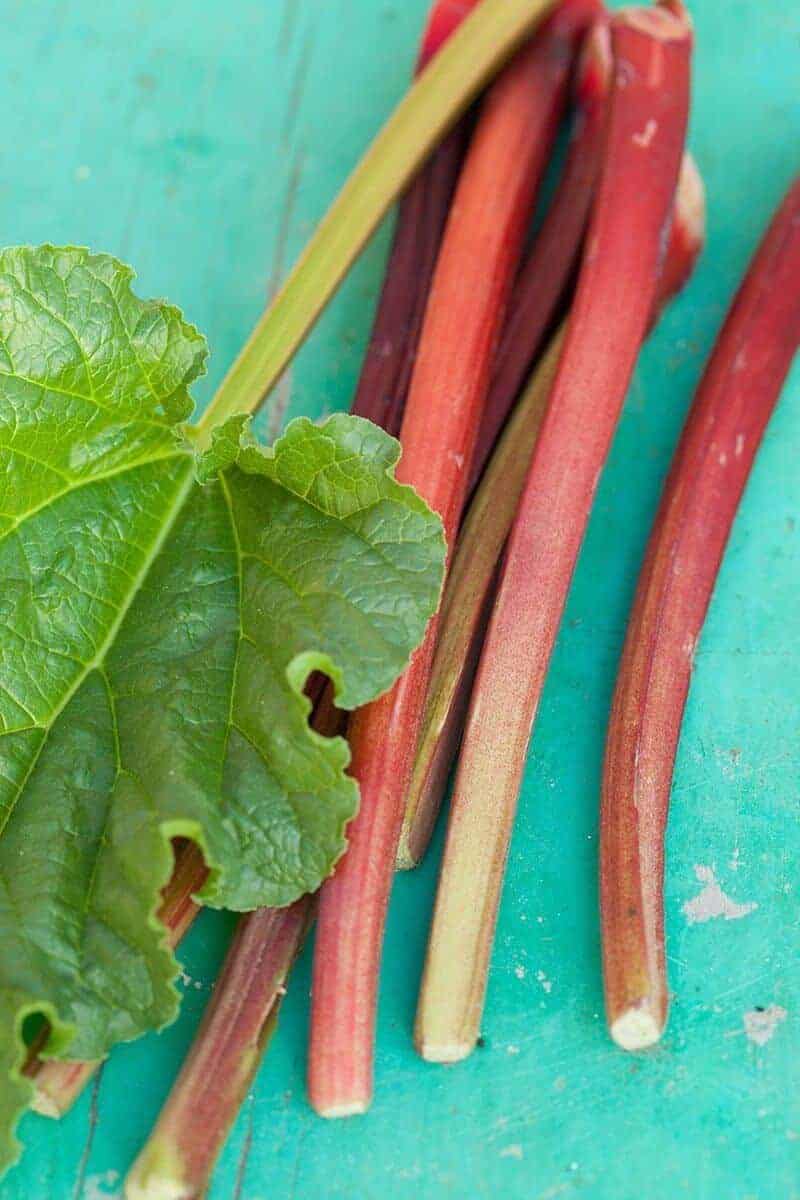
{"type": "Point", "coordinates": [474, 272]}
{"type": "Point", "coordinates": [736, 397]}
{"type": "Point", "coordinates": [421, 217]}
{"type": "Point", "coordinates": [535, 298]}
{"type": "Point", "coordinates": [182, 1149]}
{"type": "Point", "coordinates": [613, 301]}
{"type": "Point", "coordinates": [472, 579]}
{"type": "Point", "coordinates": [545, 277]}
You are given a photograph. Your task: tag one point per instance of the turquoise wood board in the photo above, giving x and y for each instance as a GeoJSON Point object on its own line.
{"type": "Point", "coordinates": [201, 142]}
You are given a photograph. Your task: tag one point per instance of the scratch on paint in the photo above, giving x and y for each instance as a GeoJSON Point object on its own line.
{"type": "Point", "coordinates": [712, 901]}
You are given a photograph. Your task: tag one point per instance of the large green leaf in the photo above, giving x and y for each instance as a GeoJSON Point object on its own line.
{"type": "Point", "coordinates": [159, 618]}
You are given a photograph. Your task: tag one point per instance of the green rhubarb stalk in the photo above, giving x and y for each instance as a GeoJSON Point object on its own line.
{"type": "Point", "coordinates": [470, 57]}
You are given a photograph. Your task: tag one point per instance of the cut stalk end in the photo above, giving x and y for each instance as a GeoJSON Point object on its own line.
{"type": "Point", "coordinates": [45, 1106]}
{"type": "Point", "coordinates": [156, 1175]}
{"type": "Point", "coordinates": [444, 1052]}
{"type": "Point", "coordinates": [636, 1029]}
{"type": "Point", "coordinates": [351, 1108]}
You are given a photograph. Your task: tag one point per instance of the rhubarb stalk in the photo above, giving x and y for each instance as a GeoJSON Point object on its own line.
{"type": "Point", "coordinates": [736, 397]}
{"type": "Point", "coordinates": [446, 87]}
{"type": "Point", "coordinates": [613, 301]}
{"type": "Point", "coordinates": [537, 293]}
{"type": "Point", "coordinates": [473, 276]}
{"type": "Point", "coordinates": [421, 216]}
{"type": "Point", "coordinates": [193, 1124]}
{"type": "Point", "coordinates": [471, 582]}
{"type": "Point", "coordinates": [547, 273]}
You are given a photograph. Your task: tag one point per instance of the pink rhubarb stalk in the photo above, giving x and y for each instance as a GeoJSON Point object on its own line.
{"type": "Point", "coordinates": [545, 277]}
{"type": "Point", "coordinates": [537, 293]}
{"type": "Point", "coordinates": [736, 397]}
{"type": "Point", "coordinates": [183, 1147]}
{"type": "Point", "coordinates": [474, 272]}
{"type": "Point", "coordinates": [472, 579]}
{"type": "Point", "coordinates": [613, 301]}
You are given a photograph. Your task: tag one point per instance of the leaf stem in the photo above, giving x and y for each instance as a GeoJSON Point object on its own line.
{"type": "Point", "coordinates": [487, 37]}
{"type": "Point", "coordinates": [738, 392]}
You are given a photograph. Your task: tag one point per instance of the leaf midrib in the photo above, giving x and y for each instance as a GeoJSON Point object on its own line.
{"type": "Point", "coordinates": [170, 516]}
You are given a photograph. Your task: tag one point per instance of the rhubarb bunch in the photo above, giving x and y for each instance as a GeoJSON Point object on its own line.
{"type": "Point", "coordinates": [474, 273]}
{"type": "Point", "coordinates": [613, 301]}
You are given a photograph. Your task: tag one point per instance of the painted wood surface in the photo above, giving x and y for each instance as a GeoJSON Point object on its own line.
{"type": "Point", "coordinates": [201, 142]}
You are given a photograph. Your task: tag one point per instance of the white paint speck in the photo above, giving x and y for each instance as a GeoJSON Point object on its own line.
{"type": "Point", "coordinates": [712, 901]}
{"type": "Point", "coordinates": [520, 971]}
{"type": "Point", "coordinates": [546, 983]}
{"type": "Point", "coordinates": [512, 1151]}
{"type": "Point", "coordinates": [723, 459]}
{"type": "Point", "coordinates": [644, 138]}
{"type": "Point", "coordinates": [739, 447]}
{"type": "Point", "coordinates": [458, 459]}
{"type": "Point", "coordinates": [102, 1187]}
{"type": "Point", "coordinates": [734, 864]}
{"type": "Point", "coordinates": [512, 1049]}
{"type": "Point", "coordinates": [760, 1024]}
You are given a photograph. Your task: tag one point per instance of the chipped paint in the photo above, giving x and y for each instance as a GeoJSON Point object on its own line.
{"type": "Point", "coordinates": [761, 1023]}
{"type": "Point", "coordinates": [102, 1187]}
{"type": "Point", "coordinates": [512, 1151]}
{"type": "Point", "coordinates": [712, 902]}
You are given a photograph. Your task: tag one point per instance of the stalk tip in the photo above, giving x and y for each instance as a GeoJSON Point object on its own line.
{"type": "Point", "coordinates": [405, 861]}
{"type": "Point", "coordinates": [45, 1105]}
{"type": "Point", "coordinates": [157, 1174]}
{"type": "Point", "coordinates": [351, 1108]}
{"type": "Point", "coordinates": [156, 1187]}
{"type": "Point", "coordinates": [636, 1029]}
{"type": "Point", "coordinates": [443, 1052]}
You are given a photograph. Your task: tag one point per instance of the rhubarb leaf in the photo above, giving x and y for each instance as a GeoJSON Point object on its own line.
{"type": "Point", "coordinates": [160, 614]}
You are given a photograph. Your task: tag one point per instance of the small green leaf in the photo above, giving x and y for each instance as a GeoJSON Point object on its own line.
{"type": "Point", "coordinates": [159, 617]}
